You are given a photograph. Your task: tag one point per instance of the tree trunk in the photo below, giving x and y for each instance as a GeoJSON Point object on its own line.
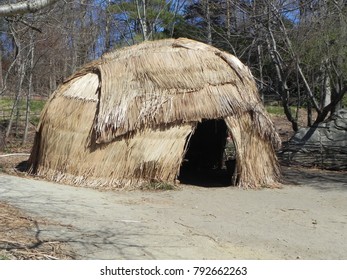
{"type": "Point", "coordinates": [1, 77]}
{"type": "Point", "coordinates": [30, 89]}
{"type": "Point", "coordinates": [107, 28]}
{"type": "Point", "coordinates": [283, 86]}
{"type": "Point", "coordinates": [20, 61]}
{"type": "Point", "coordinates": [309, 113]}
{"type": "Point", "coordinates": [208, 22]}
{"type": "Point", "coordinates": [142, 15]}
{"type": "Point", "coordinates": [74, 51]}
{"type": "Point", "coordinates": [298, 105]}
{"type": "Point", "coordinates": [260, 65]}
{"type": "Point", "coordinates": [341, 57]}
{"type": "Point", "coordinates": [52, 77]}
{"type": "Point", "coordinates": [18, 94]}
{"type": "Point", "coordinates": [228, 20]}
{"type": "Point", "coordinates": [326, 90]}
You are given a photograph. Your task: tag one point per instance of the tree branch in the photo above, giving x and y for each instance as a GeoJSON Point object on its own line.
{"type": "Point", "coordinates": [30, 6]}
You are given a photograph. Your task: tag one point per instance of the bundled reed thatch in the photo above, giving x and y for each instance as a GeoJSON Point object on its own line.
{"type": "Point", "coordinates": [126, 117]}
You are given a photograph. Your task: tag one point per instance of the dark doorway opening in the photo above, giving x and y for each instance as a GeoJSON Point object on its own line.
{"type": "Point", "coordinates": [204, 161]}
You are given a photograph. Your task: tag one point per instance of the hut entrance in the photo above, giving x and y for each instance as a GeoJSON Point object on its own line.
{"type": "Point", "coordinates": [204, 162]}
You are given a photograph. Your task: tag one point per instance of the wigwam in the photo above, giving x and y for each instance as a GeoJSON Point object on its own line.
{"type": "Point", "coordinates": [128, 118]}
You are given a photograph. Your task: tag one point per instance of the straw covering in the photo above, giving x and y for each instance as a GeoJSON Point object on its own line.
{"type": "Point", "coordinates": [126, 117]}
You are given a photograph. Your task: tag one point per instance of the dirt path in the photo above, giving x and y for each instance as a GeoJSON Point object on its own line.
{"type": "Point", "coordinates": [307, 221]}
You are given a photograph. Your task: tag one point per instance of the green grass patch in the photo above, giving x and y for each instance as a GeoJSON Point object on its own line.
{"type": "Point", "coordinates": [278, 110]}
{"type": "Point", "coordinates": [344, 101]}
{"type": "Point", "coordinates": [275, 110]}
{"type": "Point", "coordinates": [36, 107]}
{"type": "Point", "coordinates": [3, 257]}
{"type": "Point", "coordinates": [6, 102]}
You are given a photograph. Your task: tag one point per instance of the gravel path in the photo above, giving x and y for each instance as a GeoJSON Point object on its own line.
{"type": "Point", "coordinates": [306, 220]}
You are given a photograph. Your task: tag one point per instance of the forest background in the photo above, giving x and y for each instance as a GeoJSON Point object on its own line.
{"type": "Point", "coordinates": [296, 49]}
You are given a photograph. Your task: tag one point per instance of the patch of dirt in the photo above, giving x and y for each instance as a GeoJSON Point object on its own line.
{"type": "Point", "coordinates": [303, 220]}
{"type": "Point", "coordinates": [14, 151]}
{"type": "Point", "coordinates": [20, 238]}
{"type": "Point", "coordinates": [8, 162]}
{"type": "Point", "coordinates": [284, 127]}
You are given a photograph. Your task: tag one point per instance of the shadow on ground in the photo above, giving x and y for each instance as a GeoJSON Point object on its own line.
{"type": "Point", "coordinates": [321, 179]}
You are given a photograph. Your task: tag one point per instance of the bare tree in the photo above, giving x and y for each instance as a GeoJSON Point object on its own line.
{"type": "Point", "coordinates": [21, 65]}
{"type": "Point", "coordinates": [30, 86]}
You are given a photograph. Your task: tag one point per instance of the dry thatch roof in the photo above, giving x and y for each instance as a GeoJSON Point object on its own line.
{"type": "Point", "coordinates": [126, 116]}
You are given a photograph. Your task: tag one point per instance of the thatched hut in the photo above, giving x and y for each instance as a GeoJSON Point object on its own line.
{"type": "Point", "coordinates": [130, 117]}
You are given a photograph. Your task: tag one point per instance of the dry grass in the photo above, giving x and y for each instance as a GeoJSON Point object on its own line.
{"type": "Point", "coordinates": [20, 238]}
{"type": "Point", "coordinates": [125, 118]}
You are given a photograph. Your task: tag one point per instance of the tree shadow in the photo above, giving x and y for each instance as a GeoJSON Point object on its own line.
{"type": "Point", "coordinates": [26, 243]}
{"type": "Point", "coordinates": [320, 179]}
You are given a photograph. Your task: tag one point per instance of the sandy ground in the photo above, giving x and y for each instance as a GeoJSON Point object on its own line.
{"type": "Point", "coordinates": [303, 220]}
